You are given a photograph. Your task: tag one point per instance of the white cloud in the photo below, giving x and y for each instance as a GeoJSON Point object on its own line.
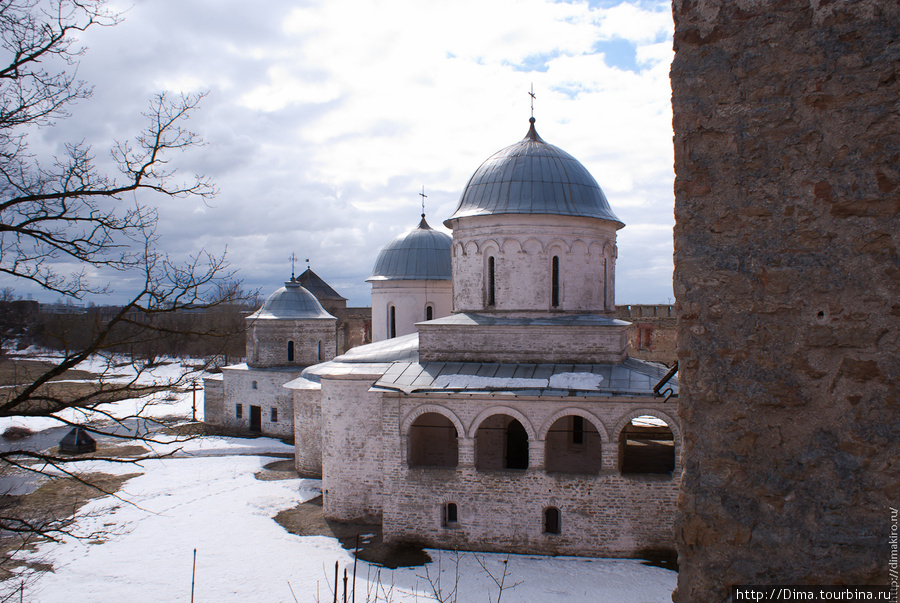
{"type": "Point", "coordinates": [324, 120]}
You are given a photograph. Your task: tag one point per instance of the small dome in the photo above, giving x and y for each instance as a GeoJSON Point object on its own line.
{"type": "Point", "coordinates": [291, 302]}
{"type": "Point", "coordinates": [418, 255]}
{"type": "Point", "coordinates": [533, 177]}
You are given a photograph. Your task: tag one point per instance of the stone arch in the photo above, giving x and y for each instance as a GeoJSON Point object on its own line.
{"type": "Point", "coordinates": [533, 243]}
{"type": "Point", "coordinates": [489, 245]}
{"type": "Point", "coordinates": [640, 412]}
{"type": "Point", "coordinates": [501, 410]}
{"type": "Point", "coordinates": [579, 246]}
{"type": "Point", "coordinates": [470, 248]}
{"type": "Point", "coordinates": [558, 243]}
{"type": "Point", "coordinates": [596, 247]}
{"type": "Point", "coordinates": [511, 245]}
{"type": "Point", "coordinates": [580, 412]}
{"type": "Point", "coordinates": [418, 411]}
{"type": "Point", "coordinates": [645, 452]}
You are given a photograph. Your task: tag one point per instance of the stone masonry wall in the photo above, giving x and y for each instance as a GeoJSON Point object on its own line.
{"type": "Point", "coordinates": [787, 161]}
{"type": "Point", "coordinates": [651, 335]}
{"type": "Point", "coordinates": [351, 448]}
{"type": "Point", "coordinates": [605, 514]}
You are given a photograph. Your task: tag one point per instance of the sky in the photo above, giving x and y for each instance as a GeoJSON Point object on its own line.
{"type": "Point", "coordinates": [324, 120]}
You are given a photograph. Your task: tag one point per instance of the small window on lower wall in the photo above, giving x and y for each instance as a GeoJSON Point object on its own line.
{"type": "Point", "coordinates": [551, 520]}
{"type": "Point", "coordinates": [239, 411]}
{"type": "Point", "coordinates": [274, 415]}
{"type": "Point", "coordinates": [450, 515]}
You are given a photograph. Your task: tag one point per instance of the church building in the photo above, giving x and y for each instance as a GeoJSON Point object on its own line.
{"type": "Point", "coordinates": [514, 420]}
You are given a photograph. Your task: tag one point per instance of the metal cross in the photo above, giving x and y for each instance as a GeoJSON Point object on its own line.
{"type": "Point", "coordinates": [293, 260]}
{"type": "Point", "coordinates": [423, 195]}
{"type": "Point", "coordinates": [531, 94]}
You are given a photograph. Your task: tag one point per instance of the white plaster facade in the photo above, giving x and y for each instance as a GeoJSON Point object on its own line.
{"type": "Point", "coordinates": [407, 302]}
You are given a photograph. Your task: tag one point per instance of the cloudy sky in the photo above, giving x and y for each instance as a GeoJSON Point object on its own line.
{"type": "Point", "coordinates": [325, 118]}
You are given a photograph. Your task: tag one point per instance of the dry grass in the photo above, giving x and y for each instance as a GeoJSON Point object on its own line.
{"type": "Point", "coordinates": [59, 499]}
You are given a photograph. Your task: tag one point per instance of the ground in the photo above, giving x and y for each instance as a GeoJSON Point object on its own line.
{"type": "Point", "coordinates": [258, 535]}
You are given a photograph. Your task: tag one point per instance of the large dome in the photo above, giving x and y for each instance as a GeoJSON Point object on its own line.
{"type": "Point", "coordinates": [420, 254]}
{"type": "Point", "coordinates": [291, 302]}
{"type": "Point", "coordinates": [533, 177]}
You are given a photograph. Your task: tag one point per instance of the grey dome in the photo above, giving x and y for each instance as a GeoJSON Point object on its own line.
{"type": "Point", "coordinates": [291, 302]}
{"type": "Point", "coordinates": [418, 255]}
{"type": "Point", "coordinates": [533, 177]}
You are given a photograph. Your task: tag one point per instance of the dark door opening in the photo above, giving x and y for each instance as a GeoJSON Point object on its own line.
{"type": "Point", "coordinates": [516, 446]}
{"type": "Point", "coordinates": [255, 418]}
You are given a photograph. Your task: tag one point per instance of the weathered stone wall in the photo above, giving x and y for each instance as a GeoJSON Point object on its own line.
{"type": "Point", "coordinates": [354, 327]}
{"type": "Point", "coordinates": [523, 247]}
{"type": "Point", "coordinates": [351, 448]}
{"type": "Point", "coordinates": [652, 335]}
{"type": "Point", "coordinates": [787, 160]}
{"type": "Point", "coordinates": [267, 342]}
{"type": "Point", "coordinates": [214, 400]}
{"type": "Point", "coordinates": [605, 514]}
{"type": "Point", "coordinates": [257, 387]}
{"type": "Point", "coordinates": [409, 298]}
{"type": "Point", "coordinates": [307, 428]}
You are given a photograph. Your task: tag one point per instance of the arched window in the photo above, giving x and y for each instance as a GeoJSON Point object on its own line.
{"type": "Point", "coordinates": [572, 445]}
{"type": "Point", "coordinates": [254, 385]}
{"type": "Point", "coordinates": [392, 322]}
{"type": "Point", "coordinates": [551, 520]}
{"type": "Point", "coordinates": [501, 442]}
{"type": "Point", "coordinates": [433, 442]}
{"type": "Point", "coordinates": [647, 445]}
{"type": "Point", "coordinates": [290, 351]}
{"type": "Point", "coordinates": [490, 282]}
{"type": "Point", "coordinates": [450, 515]}
{"type": "Point", "coordinates": [429, 312]}
{"type": "Point", "coordinates": [319, 351]}
{"type": "Point", "coordinates": [554, 288]}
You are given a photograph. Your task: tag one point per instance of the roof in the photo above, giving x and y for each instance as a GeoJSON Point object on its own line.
{"type": "Point", "coordinates": [291, 302]}
{"type": "Point", "coordinates": [533, 177]}
{"type": "Point", "coordinates": [420, 254]}
{"type": "Point", "coordinates": [631, 378]}
{"type": "Point", "coordinates": [583, 320]}
{"type": "Point", "coordinates": [368, 359]}
{"type": "Point", "coordinates": [313, 283]}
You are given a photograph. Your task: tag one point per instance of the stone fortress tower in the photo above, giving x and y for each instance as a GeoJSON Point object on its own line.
{"type": "Point", "coordinates": [410, 282]}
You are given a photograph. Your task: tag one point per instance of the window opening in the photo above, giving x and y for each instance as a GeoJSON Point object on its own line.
{"type": "Point", "coordinates": [254, 385]}
{"type": "Point", "coordinates": [451, 514]}
{"type": "Point", "coordinates": [490, 292]}
{"type": "Point", "coordinates": [290, 351]}
{"type": "Point", "coordinates": [274, 415]}
{"type": "Point", "coordinates": [429, 313]}
{"type": "Point", "coordinates": [239, 411]}
{"type": "Point", "coordinates": [255, 418]}
{"type": "Point", "coordinates": [554, 301]}
{"type": "Point", "coordinates": [392, 322]}
{"type": "Point", "coordinates": [551, 520]}
{"type": "Point", "coordinates": [577, 430]}
{"type": "Point", "coordinates": [319, 351]}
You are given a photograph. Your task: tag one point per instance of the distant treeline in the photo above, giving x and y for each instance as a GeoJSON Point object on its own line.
{"type": "Point", "coordinates": [201, 333]}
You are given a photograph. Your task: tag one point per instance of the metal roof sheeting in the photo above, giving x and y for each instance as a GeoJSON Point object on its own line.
{"type": "Point", "coordinates": [291, 302]}
{"type": "Point", "coordinates": [420, 254]}
{"type": "Point", "coordinates": [533, 177]}
{"type": "Point", "coordinates": [630, 378]}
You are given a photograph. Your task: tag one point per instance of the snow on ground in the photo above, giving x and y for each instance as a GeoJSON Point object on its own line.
{"type": "Point", "coordinates": [216, 505]}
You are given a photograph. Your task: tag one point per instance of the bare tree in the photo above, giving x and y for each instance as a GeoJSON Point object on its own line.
{"type": "Point", "coordinates": [68, 211]}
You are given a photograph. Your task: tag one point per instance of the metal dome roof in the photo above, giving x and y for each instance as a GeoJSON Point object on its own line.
{"type": "Point", "coordinates": [291, 302]}
{"type": "Point", "coordinates": [420, 254]}
{"type": "Point", "coordinates": [533, 177]}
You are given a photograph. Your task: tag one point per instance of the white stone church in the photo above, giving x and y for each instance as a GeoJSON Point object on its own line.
{"type": "Point", "coordinates": [497, 409]}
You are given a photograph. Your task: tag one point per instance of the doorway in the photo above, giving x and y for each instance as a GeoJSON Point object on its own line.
{"type": "Point", "coordinates": [255, 418]}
